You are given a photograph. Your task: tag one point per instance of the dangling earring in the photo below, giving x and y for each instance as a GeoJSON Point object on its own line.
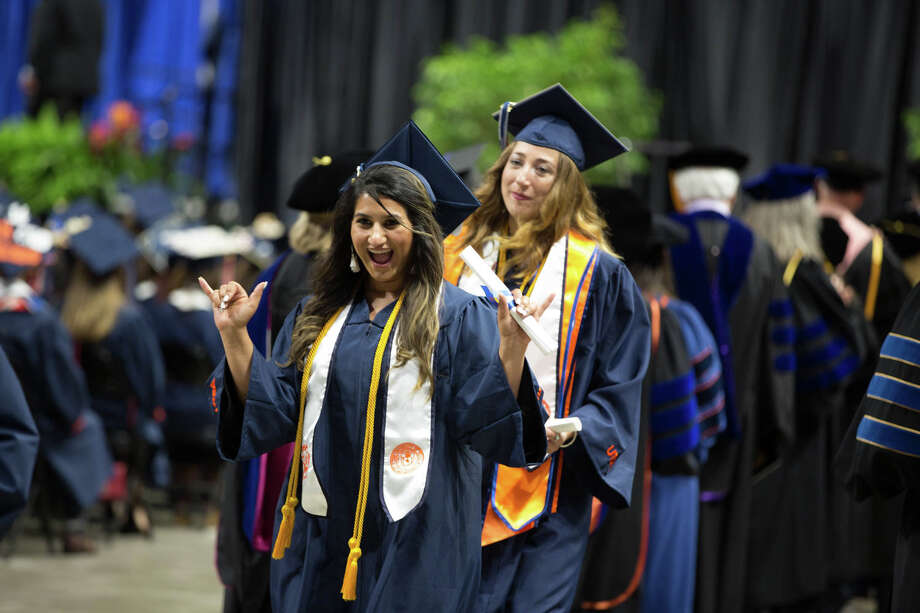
{"type": "Point", "coordinates": [353, 264]}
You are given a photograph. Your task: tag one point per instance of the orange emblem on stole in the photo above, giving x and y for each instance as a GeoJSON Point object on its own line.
{"type": "Point", "coordinates": [406, 458]}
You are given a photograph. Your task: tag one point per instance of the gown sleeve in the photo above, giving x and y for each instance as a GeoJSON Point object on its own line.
{"type": "Point", "coordinates": [484, 412]}
{"type": "Point", "coordinates": [606, 448]}
{"type": "Point", "coordinates": [18, 446]}
{"type": "Point", "coordinates": [268, 418]}
{"type": "Point", "coordinates": [68, 393]}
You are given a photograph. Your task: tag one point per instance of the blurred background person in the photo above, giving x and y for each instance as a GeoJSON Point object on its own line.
{"type": "Point", "coordinates": [733, 279]}
{"type": "Point", "coordinates": [18, 443]}
{"type": "Point", "coordinates": [65, 44]}
{"type": "Point", "coordinates": [902, 228]}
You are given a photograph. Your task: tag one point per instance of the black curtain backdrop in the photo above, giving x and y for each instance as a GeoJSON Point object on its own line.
{"type": "Point", "coordinates": [780, 79]}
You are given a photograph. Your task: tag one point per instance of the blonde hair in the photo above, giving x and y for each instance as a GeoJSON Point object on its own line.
{"type": "Point", "coordinates": [569, 205]}
{"type": "Point", "coordinates": [92, 304]}
{"type": "Point", "coordinates": [788, 226]}
{"type": "Point", "coordinates": [311, 233]}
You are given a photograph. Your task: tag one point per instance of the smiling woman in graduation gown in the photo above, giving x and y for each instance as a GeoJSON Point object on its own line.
{"type": "Point", "coordinates": [539, 227]}
{"type": "Point", "coordinates": [388, 511]}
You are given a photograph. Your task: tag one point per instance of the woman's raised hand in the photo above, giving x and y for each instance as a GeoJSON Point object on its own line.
{"type": "Point", "coordinates": [512, 335]}
{"type": "Point", "coordinates": [233, 308]}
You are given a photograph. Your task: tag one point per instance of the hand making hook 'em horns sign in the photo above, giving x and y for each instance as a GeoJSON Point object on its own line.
{"type": "Point", "coordinates": [233, 307]}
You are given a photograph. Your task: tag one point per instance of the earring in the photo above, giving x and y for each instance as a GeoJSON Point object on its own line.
{"type": "Point", "coordinates": [353, 264]}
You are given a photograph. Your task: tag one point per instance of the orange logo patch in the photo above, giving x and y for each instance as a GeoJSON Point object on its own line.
{"type": "Point", "coordinates": [305, 459]}
{"type": "Point", "coordinates": [612, 454]}
{"type": "Point", "coordinates": [406, 457]}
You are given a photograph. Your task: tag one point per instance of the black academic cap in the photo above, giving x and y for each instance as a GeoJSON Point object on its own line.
{"type": "Point", "coordinates": [833, 240]}
{"type": "Point", "coordinates": [636, 233]}
{"type": "Point", "coordinates": [554, 118]}
{"type": "Point", "coordinates": [844, 173]}
{"type": "Point", "coordinates": [782, 181]}
{"type": "Point", "coordinates": [150, 202]}
{"type": "Point", "coordinates": [709, 157]}
{"type": "Point", "coordinates": [99, 241]}
{"type": "Point", "coordinates": [317, 189]}
{"type": "Point", "coordinates": [410, 149]}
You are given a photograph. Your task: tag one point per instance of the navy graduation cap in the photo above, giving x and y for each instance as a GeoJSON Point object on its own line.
{"type": "Point", "coordinates": [99, 241]}
{"type": "Point", "coordinates": [782, 181]}
{"type": "Point", "coordinates": [553, 118]}
{"type": "Point", "coordinates": [317, 189]}
{"type": "Point", "coordinates": [150, 202]}
{"type": "Point", "coordinates": [411, 150]}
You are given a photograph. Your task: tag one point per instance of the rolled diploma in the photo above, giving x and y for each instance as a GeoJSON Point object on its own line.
{"type": "Point", "coordinates": [491, 281]}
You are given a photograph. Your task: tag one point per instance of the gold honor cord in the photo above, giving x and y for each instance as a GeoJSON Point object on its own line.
{"type": "Point", "coordinates": [283, 540]}
{"type": "Point", "coordinates": [875, 274]}
{"type": "Point", "coordinates": [350, 581]}
{"type": "Point", "coordinates": [792, 267]}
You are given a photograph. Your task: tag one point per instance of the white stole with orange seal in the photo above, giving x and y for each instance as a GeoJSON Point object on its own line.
{"type": "Point", "coordinates": [406, 436]}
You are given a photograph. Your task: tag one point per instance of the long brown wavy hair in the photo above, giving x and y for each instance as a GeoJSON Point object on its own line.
{"type": "Point", "coordinates": [569, 205]}
{"type": "Point", "coordinates": [335, 286]}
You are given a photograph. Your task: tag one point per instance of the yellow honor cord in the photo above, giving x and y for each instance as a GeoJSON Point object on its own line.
{"type": "Point", "coordinates": [875, 274]}
{"type": "Point", "coordinates": [350, 581]}
{"type": "Point", "coordinates": [283, 540]}
{"type": "Point", "coordinates": [792, 267]}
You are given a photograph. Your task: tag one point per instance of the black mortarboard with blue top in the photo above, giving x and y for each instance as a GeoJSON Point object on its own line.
{"type": "Point", "coordinates": [411, 150]}
{"type": "Point", "coordinates": [553, 118]}
{"type": "Point", "coordinates": [150, 202]}
{"type": "Point", "coordinates": [99, 240]}
{"type": "Point", "coordinates": [782, 182]}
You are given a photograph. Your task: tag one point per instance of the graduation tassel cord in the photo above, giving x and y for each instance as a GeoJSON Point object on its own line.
{"type": "Point", "coordinates": [350, 581]}
{"type": "Point", "coordinates": [283, 540]}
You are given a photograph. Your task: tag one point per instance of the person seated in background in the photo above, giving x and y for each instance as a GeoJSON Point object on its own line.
{"type": "Point", "coordinates": [858, 252]}
{"type": "Point", "coordinates": [18, 444]}
{"type": "Point", "coordinates": [902, 229]}
{"type": "Point", "coordinates": [74, 460]}
{"type": "Point", "coordinates": [118, 351]}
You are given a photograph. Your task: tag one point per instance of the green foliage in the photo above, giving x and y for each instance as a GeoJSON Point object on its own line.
{"type": "Point", "coordinates": [912, 124]}
{"type": "Point", "coordinates": [45, 161]}
{"type": "Point", "coordinates": [460, 88]}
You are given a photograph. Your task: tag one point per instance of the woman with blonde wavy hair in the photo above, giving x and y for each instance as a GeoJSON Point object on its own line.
{"type": "Point", "coordinates": [394, 385]}
{"type": "Point", "coordinates": [540, 229]}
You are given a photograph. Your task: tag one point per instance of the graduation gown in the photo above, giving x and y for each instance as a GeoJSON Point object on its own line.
{"type": "Point", "coordinates": [734, 280]}
{"type": "Point", "coordinates": [430, 559]}
{"type": "Point", "coordinates": [18, 447]}
{"type": "Point", "coordinates": [631, 552]}
{"type": "Point", "coordinates": [881, 452]}
{"type": "Point", "coordinates": [538, 568]}
{"type": "Point", "coordinates": [72, 439]}
{"type": "Point", "coordinates": [191, 349]}
{"type": "Point", "coordinates": [789, 548]}
{"type": "Point", "coordinates": [903, 233]}
{"type": "Point", "coordinates": [893, 286]}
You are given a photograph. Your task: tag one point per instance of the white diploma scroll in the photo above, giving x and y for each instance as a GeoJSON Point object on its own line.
{"type": "Point", "coordinates": [563, 424]}
{"type": "Point", "coordinates": [495, 287]}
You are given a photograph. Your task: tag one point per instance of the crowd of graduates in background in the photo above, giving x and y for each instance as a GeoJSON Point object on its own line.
{"type": "Point", "coordinates": [756, 484]}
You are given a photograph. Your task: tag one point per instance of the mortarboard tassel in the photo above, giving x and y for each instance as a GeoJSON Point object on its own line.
{"type": "Point", "coordinates": [283, 540]}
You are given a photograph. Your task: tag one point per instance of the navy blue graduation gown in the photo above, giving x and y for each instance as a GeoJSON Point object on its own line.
{"type": "Point", "coordinates": [72, 437]}
{"type": "Point", "coordinates": [191, 348]}
{"type": "Point", "coordinates": [18, 446]}
{"type": "Point", "coordinates": [429, 560]}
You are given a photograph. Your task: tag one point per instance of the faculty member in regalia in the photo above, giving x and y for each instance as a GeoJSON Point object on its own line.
{"type": "Point", "coordinates": [395, 386]}
{"type": "Point", "coordinates": [539, 226]}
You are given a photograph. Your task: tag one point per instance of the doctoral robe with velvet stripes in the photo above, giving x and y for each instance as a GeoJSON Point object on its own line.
{"type": "Point", "coordinates": [430, 559]}
{"type": "Point", "coordinates": [881, 452]}
{"type": "Point", "coordinates": [789, 550]}
{"type": "Point", "coordinates": [735, 281]}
